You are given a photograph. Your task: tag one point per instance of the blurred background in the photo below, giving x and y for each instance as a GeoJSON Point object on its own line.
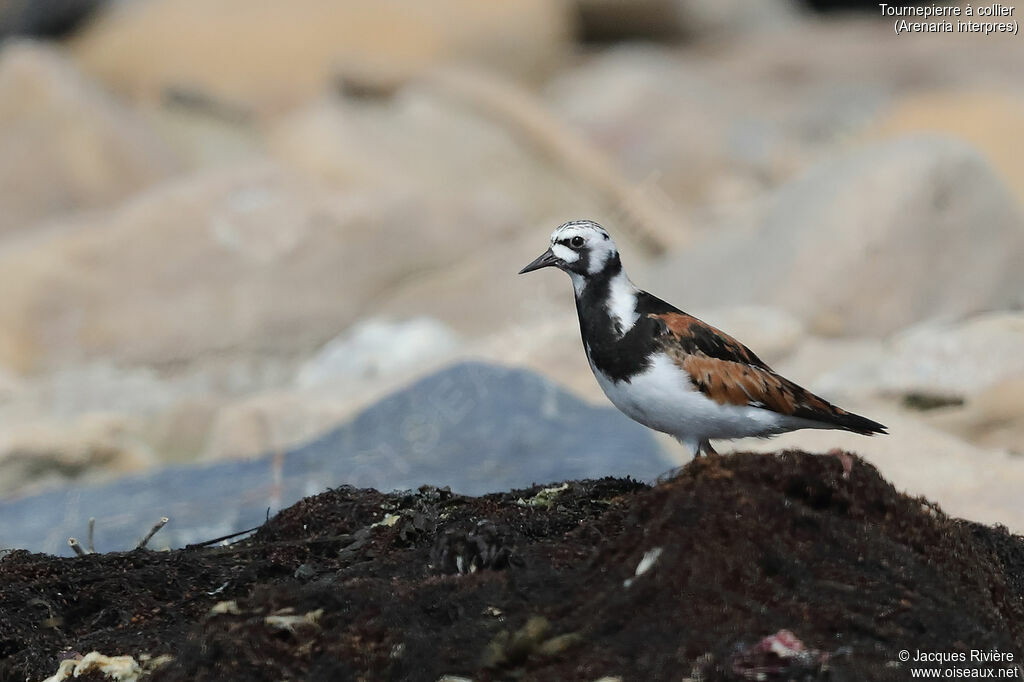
{"type": "Point", "coordinates": [247, 247]}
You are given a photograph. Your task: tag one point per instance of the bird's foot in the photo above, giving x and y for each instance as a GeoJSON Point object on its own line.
{"type": "Point", "coordinates": [706, 449]}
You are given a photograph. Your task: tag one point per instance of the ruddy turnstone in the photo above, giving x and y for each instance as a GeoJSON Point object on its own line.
{"type": "Point", "coordinates": [670, 371]}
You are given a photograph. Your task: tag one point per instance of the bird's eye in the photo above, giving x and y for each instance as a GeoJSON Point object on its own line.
{"type": "Point", "coordinates": [576, 242]}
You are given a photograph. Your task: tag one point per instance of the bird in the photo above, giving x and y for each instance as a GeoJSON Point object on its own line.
{"type": "Point", "coordinates": [669, 370]}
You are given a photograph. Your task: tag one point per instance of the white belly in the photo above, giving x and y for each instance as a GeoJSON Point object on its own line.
{"type": "Point", "coordinates": [664, 399]}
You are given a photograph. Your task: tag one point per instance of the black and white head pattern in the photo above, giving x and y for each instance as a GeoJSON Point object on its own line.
{"type": "Point", "coordinates": [584, 249]}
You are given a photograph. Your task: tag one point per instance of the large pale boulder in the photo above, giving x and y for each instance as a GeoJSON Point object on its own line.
{"type": "Point", "coordinates": [91, 447]}
{"type": "Point", "coordinates": [666, 121]}
{"type": "Point", "coordinates": [992, 418]}
{"type": "Point", "coordinates": [65, 144]}
{"type": "Point", "coordinates": [370, 359]}
{"type": "Point", "coordinates": [813, 364]}
{"type": "Point", "coordinates": [771, 333]}
{"type": "Point", "coordinates": [278, 53]}
{"type": "Point", "coordinates": [717, 127]}
{"type": "Point", "coordinates": [234, 263]}
{"type": "Point", "coordinates": [991, 120]}
{"type": "Point", "coordinates": [376, 348]}
{"type": "Point", "coordinates": [10, 386]}
{"type": "Point", "coordinates": [426, 138]}
{"type": "Point", "coordinates": [272, 421]}
{"type": "Point", "coordinates": [868, 243]}
{"type": "Point", "coordinates": [684, 123]}
{"type": "Point", "coordinates": [717, 18]}
{"type": "Point", "coordinates": [937, 359]}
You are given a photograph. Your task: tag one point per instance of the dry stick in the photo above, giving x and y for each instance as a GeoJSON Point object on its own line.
{"type": "Point", "coordinates": [236, 549]}
{"type": "Point", "coordinates": [207, 543]}
{"type": "Point", "coordinates": [73, 544]}
{"type": "Point", "coordinates": [152, 531]}
{"type": "Point", "coordinates": [516, 109]}
{"type": "Point", "coordinates": [92, 528]}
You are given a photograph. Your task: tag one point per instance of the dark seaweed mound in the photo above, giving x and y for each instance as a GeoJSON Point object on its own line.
{"type": "Point", "coordinates": [541, 584]}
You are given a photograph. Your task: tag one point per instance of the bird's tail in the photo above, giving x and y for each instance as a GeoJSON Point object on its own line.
{"type": "Point", "coordinates": [856, 423]}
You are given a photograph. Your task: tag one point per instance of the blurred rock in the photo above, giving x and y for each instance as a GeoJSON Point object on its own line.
{"type": "Point", "coordinates": [991, 418]}
{"type": "Point", "coordinates": [94, 387]}
{"type": "Point", "coordinates": [378, 347]}
{"type": "Point", "coordinates": [237, 263]}
{"type": "Point", "coordinates": [479, 428]}
{"type": "Point", "coordinates": [64, 143]}
{"type": "Point", "coordinates": [716, 18]}
{"type": "Point", "coordinates": [482, 296]}
{"type": "Point", "coordinates": [878, 239]}
{"type": "Point", "coordinates": [602, 20]}
{"type": "Point", "coordinates": [853, 52]}
{"type": "Point", "coordinates": [664, 121]}
{"type": "Point", "coordinates": [204, 136]}
{"type": "Point", "coordinates": [684, 123]}
{"type": "Point", "coordinates": [939, 359]}
{"type": "Point", "coordinates": [210, 420]}
{"type": "Point", "coordinates": [272, 421]}
{"type": "Point", "coordinates": [171, 408]}
{"type": "Point", "coordinates": [476, 428]}
{"type": "Point", "coordinates": [181, 433]}
{"type": "Point", "coordinates": [815, 358]}
{"type": "Point", "coordinates": [44, 17]}
{"type": "Point", "coordinates": [276, 54]}
{"type": "Point", "coordinates": [771, 333]}
{"type": "Point", "coordinates": [718, 127]}
{"type": "Point", "coordinates": [989, 120]}
{"type": "Point", "coordinates": [97, 420]}
{"type": "Point", "coordinates": [9, 385]}
{"type": "Point", "coordinates": [425, 140]}
{"type": "Point", "coordinates": [549, 344]}
{"type": "Point", "coordinates": [92, 447]}
{"type": "Point", "coordinates": [357, 369]}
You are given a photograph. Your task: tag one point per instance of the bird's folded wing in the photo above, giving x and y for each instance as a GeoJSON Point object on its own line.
{"type": "Point", "coordinates": [734, 383]}
{"type": "Point", "coordinates": [696, 337]}
{"type": "Point", "coordinates": [729, 373]}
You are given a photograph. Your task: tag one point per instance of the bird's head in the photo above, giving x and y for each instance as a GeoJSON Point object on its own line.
{"type": "Point", "coordinates": [581, 248]}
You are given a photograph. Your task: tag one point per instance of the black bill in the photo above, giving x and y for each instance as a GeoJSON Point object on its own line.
{"type": "Point", "coordinates": [545, 259]}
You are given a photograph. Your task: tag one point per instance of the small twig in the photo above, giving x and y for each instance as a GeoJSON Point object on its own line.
{"type": "Point", "coordinates": [152, 531]}
{"type": "Point", "coordinates": [92, 528]}
{"type": "Point", "coordinates": [206, 543]}
{"type": "Point", "coordinates": [235, 549]}
{"type": "Point", "coordinates": [73, 544]}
